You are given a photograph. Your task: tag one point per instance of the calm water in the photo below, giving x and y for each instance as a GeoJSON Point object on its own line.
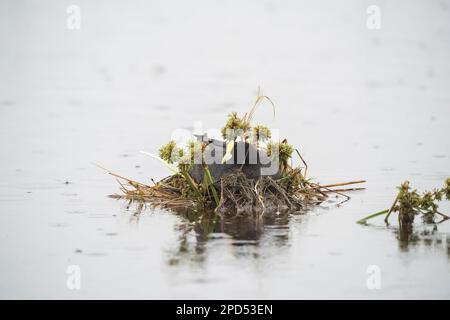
{"type": "Point", "coordinates": [359, 103]}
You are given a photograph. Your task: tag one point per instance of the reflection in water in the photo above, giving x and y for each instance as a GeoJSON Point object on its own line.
{"type": "Point", "coordinates": [197, 229]}
{"type": "Point", "coordinates": [426, 234]}
{"type": "Point", "coordinates": [199, 232]}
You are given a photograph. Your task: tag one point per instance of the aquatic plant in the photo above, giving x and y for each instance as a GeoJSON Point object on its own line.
{"type": "Point", "coordinates": [240, 126]}
{"type": "Point", "coordinates": [261, 133]}
{"type": "Point", "coordinates": [281, 152]}
{"type": "Point", "coordinates": [170, 152]}
{"type": "Point", "coordinates": [234, 127]}
{"type": "Point", "coordinates": [408, 203]}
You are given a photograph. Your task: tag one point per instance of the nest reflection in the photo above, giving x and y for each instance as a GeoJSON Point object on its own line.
{"type": "Point", "coordinates": [243, 234]}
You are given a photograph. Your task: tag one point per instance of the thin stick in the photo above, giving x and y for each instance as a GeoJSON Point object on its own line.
{"type": "Point", "coordinates": [221, 196]}
{"type": "Point", "coordinates": [334, 191]}
{"type": "Point", "coordinates": [342, 184]}
{"type": "Point", "coordinates": [345, 190]}
{"type": "Point", "coordinates": [443, 215]}
{"type": "Point", "coordinates": [119, 176]}
{"type": "Point", "coordinates": [304, 162]}
{"type": "Point", "coordinates": [259, 197]}
{"type": "Point", "coordinates": [390, 210]}
{"type": "Point", "coordinates": [248, 116]}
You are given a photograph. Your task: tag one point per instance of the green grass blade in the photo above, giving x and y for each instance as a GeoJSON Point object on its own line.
{"type": "Point", "coordinates": [363, 220]}
{"type": "Point", "coordinates": [211, 186]}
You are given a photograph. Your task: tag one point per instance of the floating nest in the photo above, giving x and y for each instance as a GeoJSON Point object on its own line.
{"type": "Point", "coordinates": [238, 194]}
{"type": "Point", "coordinates": [236, 184]}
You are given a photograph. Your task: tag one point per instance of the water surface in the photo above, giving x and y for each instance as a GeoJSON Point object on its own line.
{"type": "Point", "coordinates": [358, 103]}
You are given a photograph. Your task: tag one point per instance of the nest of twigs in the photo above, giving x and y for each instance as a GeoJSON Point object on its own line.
{"type": "Point", "coordinates": [238, 194]}
{"type": "Point", "coordinates": [197, 186]}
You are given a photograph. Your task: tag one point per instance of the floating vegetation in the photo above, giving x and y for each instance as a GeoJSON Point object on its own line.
{"type": "Point", "coordinates": [409, 203]}
{"type": "Point", "coordinates": [246, 173]}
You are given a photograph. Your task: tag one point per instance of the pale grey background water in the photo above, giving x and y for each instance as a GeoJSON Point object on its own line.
{"type": "Point", "coordinates": [359, 103]}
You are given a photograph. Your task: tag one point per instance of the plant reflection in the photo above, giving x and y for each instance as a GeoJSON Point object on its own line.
{"type": "Point", "coordinates": [427, 234]}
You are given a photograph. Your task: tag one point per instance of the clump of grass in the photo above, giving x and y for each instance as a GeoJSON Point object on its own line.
{"type": "Point", "coordinates": [408, 203]}
{"type": "Point", "coordinates": [193, 155]}
{"type": "Point", "coordinates": [240, 126]}
{"type": "Point", "coordinates": [170, 152]}
{"type": "Point", "coordinates": [261, 133]}
{"type": "Point", "coordinates": [234, 127]}
{"type": "Point", "coordinates": [281, 151]}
